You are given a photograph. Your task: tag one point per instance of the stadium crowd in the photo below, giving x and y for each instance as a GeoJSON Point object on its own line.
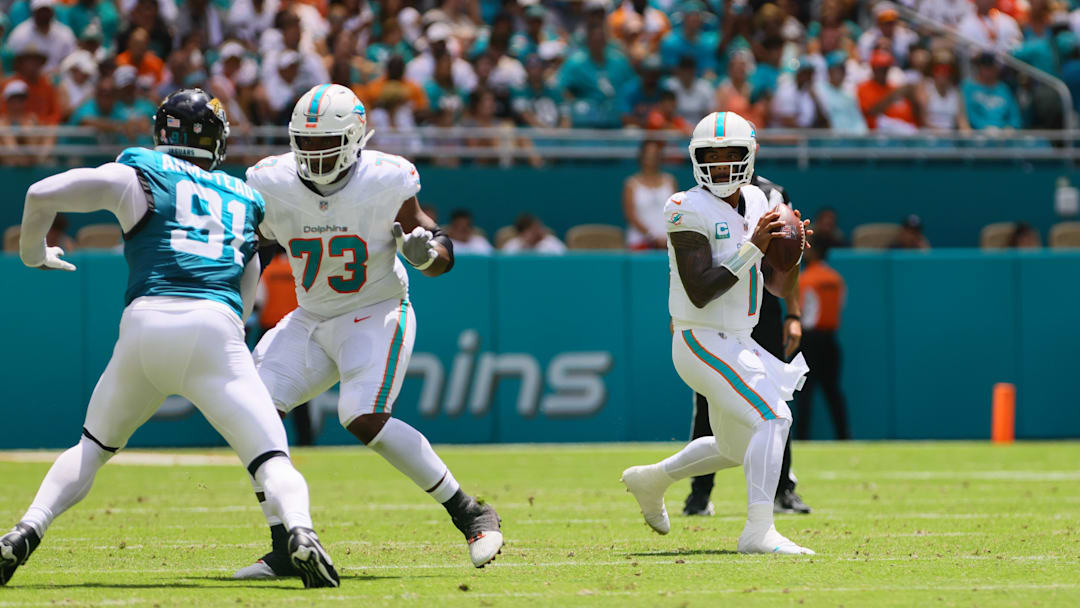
{"type": "Point", "coordinates": [847, 65]}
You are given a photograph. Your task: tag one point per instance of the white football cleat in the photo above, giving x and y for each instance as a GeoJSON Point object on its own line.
{"type": "Point", "coordinates": [255, 572]}
{"type": "Point", "coordinates": [647, 484]}
{"type": "Point", "coordinates": [484, 547]}
{"type": "Point", "coordinates": [770, 542]}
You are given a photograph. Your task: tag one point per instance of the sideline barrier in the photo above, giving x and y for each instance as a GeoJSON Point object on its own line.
{"type": "Point", "coordinates": [576, 348]}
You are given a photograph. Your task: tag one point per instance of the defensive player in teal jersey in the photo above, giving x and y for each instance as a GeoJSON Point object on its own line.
{"type": "Point", "coordinates": [189, 240]}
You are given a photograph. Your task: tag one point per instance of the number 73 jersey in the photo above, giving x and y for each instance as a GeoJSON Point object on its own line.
{"type": "Point", "coordinates": [340, 246]}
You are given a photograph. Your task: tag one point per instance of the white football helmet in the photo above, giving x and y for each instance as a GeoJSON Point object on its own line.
{"type": "Point", "coordinates": [327, 111]}
{"type": "Point", "coordinates": [724, 130]}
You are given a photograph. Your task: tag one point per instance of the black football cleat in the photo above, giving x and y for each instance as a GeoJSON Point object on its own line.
{"type": "Point", "coordinates": [787, 501]}
{"type": "Point", "coordinates": [15, 548]}
{"type": "Point", "coordinates": [698, 504]}
{"type": "Point", "coordinates": [315, 567]}
{"type": "Point", "coordinates": [481, 527]}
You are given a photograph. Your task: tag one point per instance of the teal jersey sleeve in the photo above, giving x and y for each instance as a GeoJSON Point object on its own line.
{"type": "Point", "coordinates": [197, 235]}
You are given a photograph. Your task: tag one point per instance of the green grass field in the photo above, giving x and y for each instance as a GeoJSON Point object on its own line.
{"type": "Point", "coordinates": [915, 524]}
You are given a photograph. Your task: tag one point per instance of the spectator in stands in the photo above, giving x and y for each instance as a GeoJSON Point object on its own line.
{"type": "Point", "coordinates": [43, 100]}
{"type": "Point", "coordinates": [826, 233]}
{"type": "Point", "coordinates": [644, 195]}
{"type": "Point", "coordinates": [391, 42]}
{"type": "Point", "coordinates": [399, 99]}
{"type": "Point", "coordinates": [134, 110]}
{"type": "Point", "coordinates": [833, 31]}
{"type": "Point", "coordinates": [837, 99]}
{"type": "Point", "coordinates": [422, 68]}
{"type": "Point", "coordinates": [92, 41]}
{"type": "Point", "coordinates": [138, 54]}
{"type": "Point", "coordinates": [821, 294]}
{"type": "Point", "coordinates": [733, 95]}
{"type": "Point", "coordinates": [989, 102]}
{"type": "Point", "coordinates": [887, 108]}
{"type": "Point", "coordinates": [463, 234]}
{"type": "Point", "coordinates": [14, 113]}
{"type": "Point", "coordinates": [78, 74]}
{"type": "Point", "coordinates": [526, 44]}
{"type": "Point", "coordinates": [539, 103]}
{"type": "Point", "coordinates": [795, 104]}
{"type": "Point", "coordinates": [664, 116]}
{"type": "Point", "coordinates": [202, 16]}
{"type": "Point", "coordinates": [767, 70]}
{"type": "Point", "coordinates": [45, 33]}
{"type": "Point", "coordinates": [146, 14]}
{"type": "Point", "coordinates": [691, 40]}
{"type": "Point", "coordinates": [944, 104]}
{"type": "Point", "coordinates": [991, 28]}
{"type": "Point", "coordinates": [911, 235]}
{"type": "Point", "coordinates": [532, 235]}
{"type": "Point", "coordinates": [640, 95]}
{"type": "Point", "coordinates": [637, 15]}
{"type": "Point", "coordinates": [234, 82]}
{"type": "Point", "coordinates": [102, 111]}
{"type": "Point", "coordinates": [694, 96]}
{"type": "Point", "coordinates": [888, 33]}
{"type": "Point", "coordinates": [462, 16]}
{"type": "Point", "coordinates": [446, 102]}
{"type": "Point", "coordinates": [1024, 237]}
{"type": "Point", "coordinates": [102, 13]}
{"type": "Point", "coordinates": [247, 19]}
{"type": "Point", "coordinates": [283, 86]}
{"type": "Point", "coordinates": [592, 78]}
{"type": "Point", "coordinates": [289, 36]}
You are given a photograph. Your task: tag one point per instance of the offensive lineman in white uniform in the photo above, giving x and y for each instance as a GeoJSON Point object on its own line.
{"type": "Point", "coordinates": [342, 215]}
{"type": "Point", "coordinates": [715, 292]}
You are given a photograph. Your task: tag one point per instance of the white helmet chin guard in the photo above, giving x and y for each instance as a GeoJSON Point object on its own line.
{"type": "Point", "coordinates": [724, 130]}
{"type": "Point", "coordinates": [328, 110]}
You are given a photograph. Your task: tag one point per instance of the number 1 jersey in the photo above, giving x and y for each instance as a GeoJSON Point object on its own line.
{"type": "Point", "coordinates": [198, 234]}
{"type": "Point", "coordinates": [340, 246]}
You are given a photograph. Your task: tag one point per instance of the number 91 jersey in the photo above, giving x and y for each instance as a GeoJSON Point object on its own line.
{"type": "Point", "coordinates": [198, 234]}
{"type": "Point", "coordinates": [340, 246]}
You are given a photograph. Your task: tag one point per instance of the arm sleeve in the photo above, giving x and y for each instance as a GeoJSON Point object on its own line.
{"type": "Point", "coordinates": [112, 187]}
{"type": "Point", "coordinates": [249, 285]}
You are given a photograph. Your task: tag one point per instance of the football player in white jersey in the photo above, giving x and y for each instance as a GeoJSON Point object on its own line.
{"type": "Point", "coordinates": [343, 214]}
{"type": "Point", "coordinates": [717, 235]}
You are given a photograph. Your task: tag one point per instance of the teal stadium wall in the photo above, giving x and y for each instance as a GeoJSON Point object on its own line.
{"type": "Point", "coordinates": [954, 199]}
{"type": "Point", "coordinates": [576, 348]}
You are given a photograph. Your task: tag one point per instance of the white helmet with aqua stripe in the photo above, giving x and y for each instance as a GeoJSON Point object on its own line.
{"type": "Point", "coordinates": [327, 130]}
{"type": "Point", "coordinates": [723, 130]}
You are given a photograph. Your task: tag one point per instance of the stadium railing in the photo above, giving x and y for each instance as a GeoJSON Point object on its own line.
{"type": "Point", "coordinates": [505, 146]}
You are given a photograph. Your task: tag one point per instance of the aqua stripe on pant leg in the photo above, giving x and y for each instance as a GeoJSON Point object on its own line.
{"type": "Point", "coordinates": [730, 375]}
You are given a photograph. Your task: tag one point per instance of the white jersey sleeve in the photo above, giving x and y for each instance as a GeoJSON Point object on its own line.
{"type": "Point", "coordinates": [681, 215]}
{"type": "Point", "coordinates": [111, 187]}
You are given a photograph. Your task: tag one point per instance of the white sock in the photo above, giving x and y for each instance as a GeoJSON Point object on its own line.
{"type": "Point", "coordinates": [699, 457]}
{"type": "Point", "coordinates": [66, 483]}
{"type": "Point", "coordinates": [762, 461]}
{"type": "Point", "coordinates": [267, 508]}
{"type": "Point", "coordinates": [409, 451]}
{"type": "Point", "coordinates": [286, 492]}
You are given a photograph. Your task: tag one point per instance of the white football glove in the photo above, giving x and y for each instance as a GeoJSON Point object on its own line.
{"type": "Point", "coordinates": [417, 247]}
{"type": "Point", "coordinates": [53, 260]}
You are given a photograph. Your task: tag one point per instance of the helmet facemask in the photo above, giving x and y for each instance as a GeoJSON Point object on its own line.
{"type": "Point", "coordinates": [319, 164]}
{"type": "Point", "coordinates": [739, 172]}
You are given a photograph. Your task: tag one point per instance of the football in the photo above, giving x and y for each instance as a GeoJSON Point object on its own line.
{"type": "Point", "coordinates": [783, 253]}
